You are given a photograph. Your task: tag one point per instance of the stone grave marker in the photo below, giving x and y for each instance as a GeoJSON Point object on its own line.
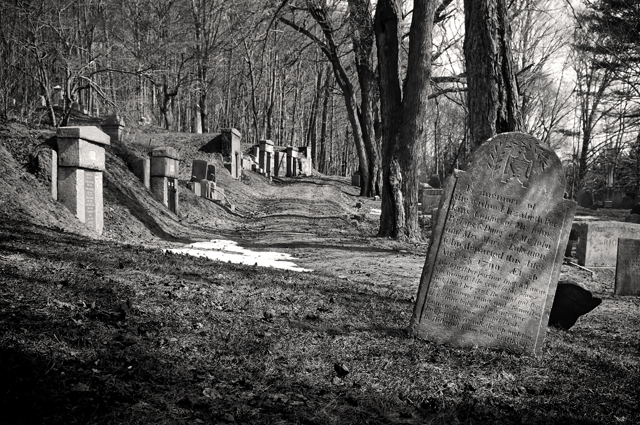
{"type": "Point", "coordinates": [199, 170]}
{"type": "Point", "coordinates": [628, 267]}
{"type": "Point", "coordinates": [430, 199]}
{"type": "Point", "coordinates": [211, 172]}
{"type": "Point", "coordinates": [78, 173]}
{"type": "Point", "coordinates": [598, 241]}
{"type": "Point", "coordinates": [164, 176]}
{"type": "Point", "coordinates": [492, 269]}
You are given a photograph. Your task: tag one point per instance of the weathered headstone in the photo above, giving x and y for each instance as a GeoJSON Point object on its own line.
{"type": "Point", "coordinates": [584, 198]}
{"type": "Point", "coordinates": [491, 271]}
{"type": "Point", "coordinates": [81, 161]}
{"type": "Point", "coordinates": [164, 176]}
{"type": "Point", "coordinates": [598, 242]}
{"type": "Point", "coordinates": [199, 170]}
{"type": "Point", "coordinates": [628, 267]}
{"type": "Point", "coordinates": [434, 181]}
{"type": "Point", "coordinates": [211, 172]}
{"type": "Point", "coordinates": [355, 179]}
{"type": "Point", "coordinates": [570, 302]}
{"type": "Point", "coordinates": [113, 126]}
{"type": "Point", "coordinates": [430, 199]}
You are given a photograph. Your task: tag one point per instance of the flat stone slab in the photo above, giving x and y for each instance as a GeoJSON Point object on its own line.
{"type": "Point", "coordinates": [166, 151]}
{"type": "Point", "coordinates": [598, 242]}
{"type": "Point", "coordinates": [89, 133]}
{"type": "Point", "coordinates": [628, 267]}
{"type": "Point", "coordinates": [571, 302]}
{"type": "Point", "coordinates": [498, 242]}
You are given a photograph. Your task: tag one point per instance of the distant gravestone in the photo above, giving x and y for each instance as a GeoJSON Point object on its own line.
{"type": "Point", "coordinates": [434, 181]}
{"type": "Point", "coordinates": [199, 170]}
{"type": "Point", "coordinates": [584, 198]}
{"type": "Point", "coordinates": [211, 172]}
{"type": "Point", "coordinates": [430, 199]}
{"type": "Point", "coordinates": [355, 179]}
{"type": "Point", "coordinates": [571, 302]}
{"type": "Point", "coordinates": [628, 267]}
{"type": "Point", "coordinates": [598, 242]}
{"type": "Point", "coordinates": [491, 271]}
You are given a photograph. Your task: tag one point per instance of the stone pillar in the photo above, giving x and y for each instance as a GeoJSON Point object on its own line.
{"type": "Point", "coordinates": [142, 170]}
{"type": "Point", "coordinates": [79, 173]}
{"type": "Point", "coordinates": [292, 162]}
{"type": "Point", "coordinates": [113, 126]}
{"type": "Point", "coordinates": [266, 154]}
{"type": "Point", "coordinates": [164, 176]}
{"type": "Point", "coordinates": [279, 158]}
{"type": "Point", "coordinates": [231, 148]}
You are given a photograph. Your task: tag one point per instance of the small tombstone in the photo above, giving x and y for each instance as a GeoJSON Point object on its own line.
{"type": "Point", "coordinates": [199, 170]}
{"type": "Point", "coordinates": [598, 241]}
{"type": "Point", "coordinates": [584, 198]}
{"type": "Point", "coordinates": [113, 125]}
{"type": "Point", "coordinates": [571, 302]}
{"type": "Point", "coordinates": [292, 162]}
{"type": "Point", "coordinates": [430, 199]}
{"type": "Point", "coordinates": [632, 218]}
{"type": "Point", "coordinates": [628, 267]}
{"type": "Point", "coordinates": [211, 172]}
{"type": "Point", "coordinates": [434, 181]}
{"type": "Point", "coordinates": [355, 179]}
{"type": "Point", "coordinates": [491, 271]}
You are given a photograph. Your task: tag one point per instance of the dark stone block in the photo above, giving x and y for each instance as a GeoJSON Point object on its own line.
{"type": "Point", "coordinates": [571, 302]}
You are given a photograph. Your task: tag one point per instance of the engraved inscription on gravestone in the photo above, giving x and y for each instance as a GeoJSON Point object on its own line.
{"type": "Point", "coordinates": [491, 272]}
{"type": "Point", "coordinates": [90, 199]}
{"type": "Point", "coordinates": [628, 267]}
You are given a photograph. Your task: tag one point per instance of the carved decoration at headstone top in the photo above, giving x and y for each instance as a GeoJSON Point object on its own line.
{"type": "Point", "coordinates": [498, 243]}
{"type": "Point", "coordinates": [571, 302]}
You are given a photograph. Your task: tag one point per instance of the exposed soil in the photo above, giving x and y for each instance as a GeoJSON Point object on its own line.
{"type": "Point", "coordinates": [111, 329]}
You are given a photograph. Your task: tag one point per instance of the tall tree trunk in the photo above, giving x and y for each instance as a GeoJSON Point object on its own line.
{"type": "Point", "coordinates": [492, 96]}
{"type": "Point", "coordinates": [322, 155]}
{"type": "Point", "coordinates": [403, 118]}
{"type": "Point", "coordinates": [363, 41]}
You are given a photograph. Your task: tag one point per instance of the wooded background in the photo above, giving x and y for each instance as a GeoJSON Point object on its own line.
{"type": "Point", "coordinates": [318, 73]}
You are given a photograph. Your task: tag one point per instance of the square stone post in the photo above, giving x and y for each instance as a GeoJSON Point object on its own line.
{"type": "Point", "coordinates": [113, 127]}
{"type": "Point", "coordinates": [81, 161]}
{"type": "Point", "coordinates": [231, 148]}
{"type": "Point", "coordinates": [164, 176]}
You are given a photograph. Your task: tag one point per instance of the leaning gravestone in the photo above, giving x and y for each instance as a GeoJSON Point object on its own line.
{"type": "Point", "coordinates": [628, 267]}
{"type": "Point", "coordinates": [491, 271]}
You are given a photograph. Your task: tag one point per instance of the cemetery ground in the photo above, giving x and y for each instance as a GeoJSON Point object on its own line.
{"type": "Point", "coordinates": [113, 329]}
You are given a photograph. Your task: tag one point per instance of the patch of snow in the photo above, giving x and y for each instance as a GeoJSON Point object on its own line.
{"type": "Point", "coordinates": [230, 251]}
{"type": "Point", "coordinates": [375, 211]}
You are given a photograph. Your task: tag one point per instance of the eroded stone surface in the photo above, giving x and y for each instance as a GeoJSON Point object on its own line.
{"type": "Point", "coordinates": [598, 244]}
{"type": "Point", "coordinates": [628, 267]}
{"type": "Point", "coordinates": [492, 269]}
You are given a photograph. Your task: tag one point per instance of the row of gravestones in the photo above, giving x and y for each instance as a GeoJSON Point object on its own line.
{"type": "Point", "coordinates": [290, 162]}
{"type": "Point", "coordinates": [78, 160]}
{"type": "Point", "coordinates": [203, 181]}
{"type": "Point", "coordinates": [611, 244]}
{"type": "Point", "coordinates": [619, 200]}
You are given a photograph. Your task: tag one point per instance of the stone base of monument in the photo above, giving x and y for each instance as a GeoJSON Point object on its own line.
{"type": "Point", "coordinates": [571, 302]}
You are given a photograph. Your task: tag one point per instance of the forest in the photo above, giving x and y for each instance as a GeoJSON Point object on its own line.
{"type": "Point", "coordinates": [395, 89]}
